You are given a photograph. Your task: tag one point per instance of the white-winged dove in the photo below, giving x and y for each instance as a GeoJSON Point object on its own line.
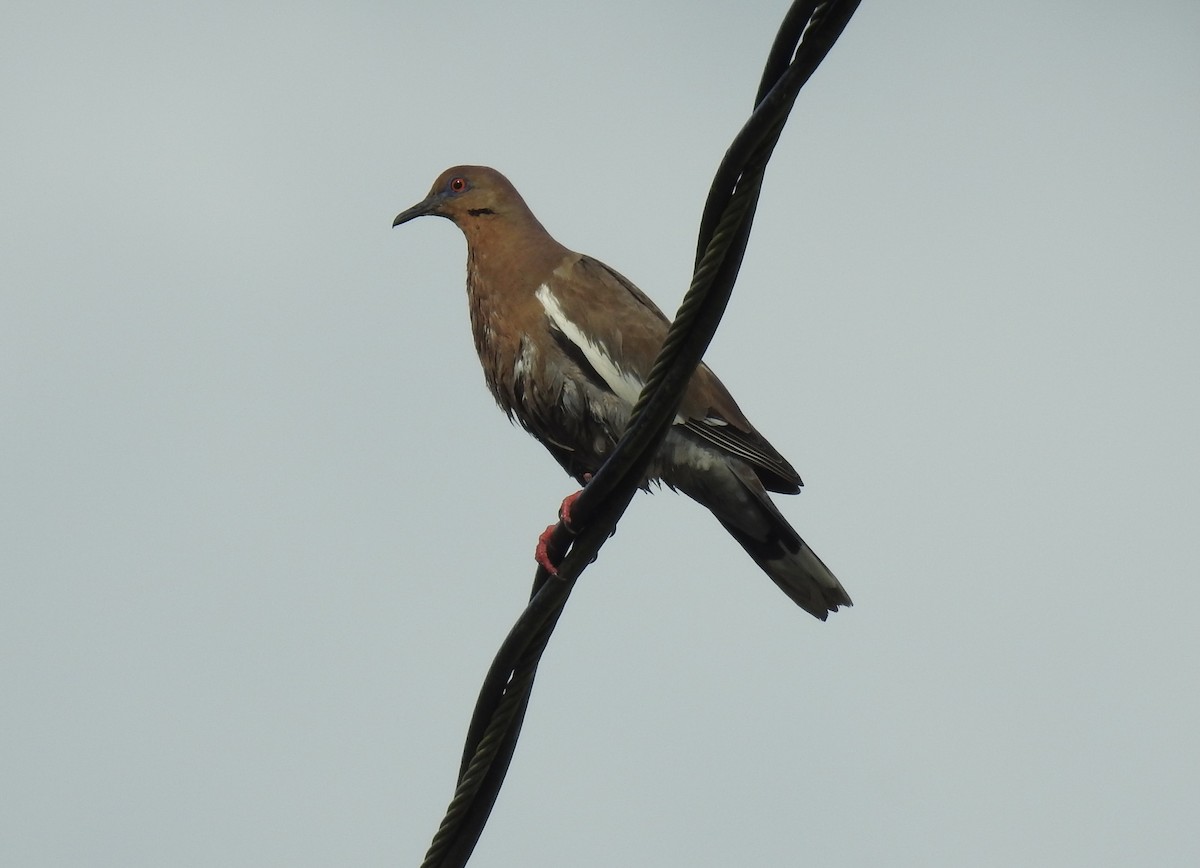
{"type": "Point", "coordinates": [566, 344]}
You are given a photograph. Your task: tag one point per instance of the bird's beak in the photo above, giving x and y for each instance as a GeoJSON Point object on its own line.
{"type": "Point", "coordinates": [426, 206]}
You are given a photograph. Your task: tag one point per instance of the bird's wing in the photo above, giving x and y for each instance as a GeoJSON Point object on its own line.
{"type": "Point", "coordinates": [618, 330]}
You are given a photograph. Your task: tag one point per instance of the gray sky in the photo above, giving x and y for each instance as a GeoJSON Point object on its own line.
{"type": "Point", "coordinates": [262, 527]}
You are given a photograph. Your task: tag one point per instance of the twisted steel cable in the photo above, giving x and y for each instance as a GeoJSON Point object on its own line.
{"type": "Point", "coordinates": [808, 32]}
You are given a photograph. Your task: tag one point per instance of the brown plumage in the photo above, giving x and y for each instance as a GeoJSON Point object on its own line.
{"type": "Point", "coordinates": [566, 344]}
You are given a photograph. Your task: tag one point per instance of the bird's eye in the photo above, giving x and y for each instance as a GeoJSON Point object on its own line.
{"type": "Point", "coordinates": [457, 185]}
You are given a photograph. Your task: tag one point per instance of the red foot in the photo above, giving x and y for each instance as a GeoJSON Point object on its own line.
{"type": "Point", "coordinates": [564, 511]}
{"type": "Point", "coordinates": [541, 553]}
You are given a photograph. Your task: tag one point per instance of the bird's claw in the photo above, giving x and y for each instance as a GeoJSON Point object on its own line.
{"type": "Point", "coordinates": [564, 511]}
{"type": "Point", "coordinates": [541, 553]}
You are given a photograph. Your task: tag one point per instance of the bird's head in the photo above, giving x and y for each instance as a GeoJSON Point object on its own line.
{"type": "Point", "coordinates": [466, 194]}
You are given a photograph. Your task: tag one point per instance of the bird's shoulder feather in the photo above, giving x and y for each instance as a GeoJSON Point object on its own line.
{"type": "Point", "coordinates": [619, 330]}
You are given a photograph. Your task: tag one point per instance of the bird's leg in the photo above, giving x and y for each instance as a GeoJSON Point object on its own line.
{"type": "Point", "coordinates": [541, 553]}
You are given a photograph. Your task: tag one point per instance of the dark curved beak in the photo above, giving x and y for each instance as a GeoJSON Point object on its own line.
{"type": "Point", "coordinates": [426, 206]}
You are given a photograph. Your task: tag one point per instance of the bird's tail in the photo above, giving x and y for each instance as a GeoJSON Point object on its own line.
{"type": "Point", "coordinates": [735, 496]}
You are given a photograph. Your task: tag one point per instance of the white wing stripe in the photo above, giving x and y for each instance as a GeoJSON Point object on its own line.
{"type": "Point", "coordinates": [624, 385]}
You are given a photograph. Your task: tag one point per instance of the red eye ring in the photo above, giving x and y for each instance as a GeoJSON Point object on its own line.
{"type": "Point", "coordinates": [457, 185]}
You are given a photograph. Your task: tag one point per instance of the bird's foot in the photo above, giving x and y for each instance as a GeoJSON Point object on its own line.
{"type": "Point", "coordinates": [542, 553]}
{"type": "Point", "coordinates": [564, 511]}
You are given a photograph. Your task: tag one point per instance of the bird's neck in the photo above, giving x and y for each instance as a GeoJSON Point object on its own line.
{"type": "Point", "coordinates": [510, 257]}
{"type": "Point", "coordinates": [504, 270]}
